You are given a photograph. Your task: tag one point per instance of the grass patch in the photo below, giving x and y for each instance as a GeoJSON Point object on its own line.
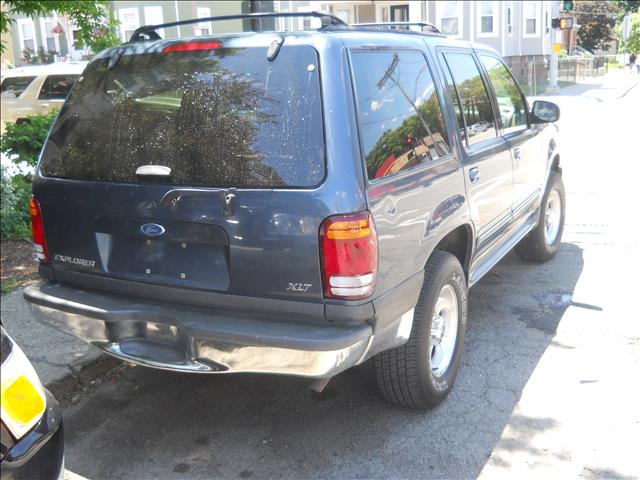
{"type": "Point", "coordinates": [9, 285]}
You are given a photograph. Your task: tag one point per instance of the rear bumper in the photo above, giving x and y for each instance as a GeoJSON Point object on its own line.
{"type": "Point", "coordinates": [175, 337]}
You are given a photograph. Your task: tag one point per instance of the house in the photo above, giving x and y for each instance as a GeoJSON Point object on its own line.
{"type": "Point", "coordinates": [55, 35]}
{"type": "Point", "coordinates": [519, 30]}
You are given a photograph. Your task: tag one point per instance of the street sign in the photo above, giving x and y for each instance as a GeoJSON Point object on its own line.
{"type": "Point", "coordinates": [626, 27]}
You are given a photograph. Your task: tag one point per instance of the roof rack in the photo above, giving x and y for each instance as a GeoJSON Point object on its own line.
{"type": "Point", "coordinates": [397, 24]}
{"type": "Point", "coordinates": [148, 32]}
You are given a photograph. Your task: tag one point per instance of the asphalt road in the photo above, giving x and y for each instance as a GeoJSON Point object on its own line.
{"type": "Point", "coordinates": [548, 384]}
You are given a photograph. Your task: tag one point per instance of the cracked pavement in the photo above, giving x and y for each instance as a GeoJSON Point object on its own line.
{"type": "Point", "coordinates": [548, 384]}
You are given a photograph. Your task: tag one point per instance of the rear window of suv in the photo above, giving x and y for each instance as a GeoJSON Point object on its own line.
{"type": "Point", "coordinates": [224, 117]}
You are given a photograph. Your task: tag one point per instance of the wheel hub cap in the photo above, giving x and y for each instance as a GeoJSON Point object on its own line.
{"type": "Point", "coordinates": [444, 330]}
{"type": "Point", "coordinates": [552, 217]}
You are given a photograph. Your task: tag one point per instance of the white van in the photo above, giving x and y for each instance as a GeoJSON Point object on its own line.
{"type": "Point", "coordinates": [38, 89]}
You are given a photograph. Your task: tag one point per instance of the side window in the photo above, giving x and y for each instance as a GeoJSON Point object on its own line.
{"type": "Point", "coordinates": [57, 87]}
{"type": "Point", "coordinates": [399, 114]}
{"type": "Point", "coordinates": [513, 112]}
{"type": "Point", "coordinates": [456, 101]}
{"type": "Point", "coordinates": [12, 87]}
{"type": "Point", "coordinates": [476, 106]}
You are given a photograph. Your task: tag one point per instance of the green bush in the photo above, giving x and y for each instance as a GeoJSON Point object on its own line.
{"type": "Point", "coordinates": [21, 143]}
{"type": "Point", "coordinates": [14, 206]}
{"type": "Point", "coordinates": [25, 139]}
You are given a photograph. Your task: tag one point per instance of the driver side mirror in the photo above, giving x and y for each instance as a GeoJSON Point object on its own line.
{"type": "Point", "coordinates": [544, 112]}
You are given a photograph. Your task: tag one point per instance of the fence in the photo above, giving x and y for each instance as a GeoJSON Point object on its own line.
{"type": "Point", "coordinates": [574, 69]}
{"type": "Point", "coordinates": [532, 71]}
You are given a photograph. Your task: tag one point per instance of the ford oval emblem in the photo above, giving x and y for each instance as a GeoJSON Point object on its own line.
{"type": "Point", "coordinates": [152, 229]}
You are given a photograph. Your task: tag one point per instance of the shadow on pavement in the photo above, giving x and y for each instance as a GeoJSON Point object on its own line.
{"type": "Point", "coordinates": [146, 423]}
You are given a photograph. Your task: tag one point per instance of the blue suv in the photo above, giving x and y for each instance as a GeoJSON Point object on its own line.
{"type": "Point", "coordinates": [291, 203]}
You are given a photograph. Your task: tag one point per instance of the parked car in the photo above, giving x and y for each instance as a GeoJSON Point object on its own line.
{"type": "Point", "coordinates": [34, 90]}
{"type": "Point", "coordinates": [230, 204]}
{"type": "Point", "coordinates": [31, 437]}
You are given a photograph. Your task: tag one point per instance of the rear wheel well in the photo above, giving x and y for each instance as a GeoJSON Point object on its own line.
{"type": "Point", "coordinates": [555, 164]}
{"type": "Point", "coordinates": [458, 243]}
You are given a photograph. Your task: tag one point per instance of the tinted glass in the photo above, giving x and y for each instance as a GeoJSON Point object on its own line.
{"type": "Point", "coordinates": [57, 87]}
{"type": "Point", "coordinates": [456, 102]}
{"type": "Point", "coordinates": [476, 105]}
{"type": "Point", "coordinates": [13, 87]}
{"type": "Point", "coordinates": [399, 113]}
{"type": "Point", "coordinates": [223, 117]}
{"type": "Point", "coordinates": [513, 112]}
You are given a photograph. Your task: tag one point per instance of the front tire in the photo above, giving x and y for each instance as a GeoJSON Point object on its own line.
{"type": "Point", "coordinates": [420, 373]}
{"type": "Point", "coordinates": [543, 242]}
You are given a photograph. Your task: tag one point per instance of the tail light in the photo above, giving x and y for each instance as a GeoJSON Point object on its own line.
{"type": "Point", "coordinates": [349, 255]}
{"type": "Point", "coordinates": [192, 46]}
{"type": "Point", "coordinates": [37, 228]}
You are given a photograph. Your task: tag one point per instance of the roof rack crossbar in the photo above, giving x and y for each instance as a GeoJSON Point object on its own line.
{"type": "Point", "coordinates": [397, 24]}
{"type": "Point", "coordinates": [148, 32]}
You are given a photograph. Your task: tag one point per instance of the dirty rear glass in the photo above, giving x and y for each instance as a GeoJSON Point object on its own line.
{"type": "Point", "coordinates": [223, 117]}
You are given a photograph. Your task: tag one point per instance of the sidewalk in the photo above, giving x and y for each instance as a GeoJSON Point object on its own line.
{"type": "Point", "coordinates": [578, 415]}
{"type": "Point", "coordinates": [613, 85]}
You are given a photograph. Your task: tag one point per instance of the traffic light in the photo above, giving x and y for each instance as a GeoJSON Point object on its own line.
{"type": "Point", "coordinates": [562, 23]}
{"type": "Point", "coordinates": [567, 5]}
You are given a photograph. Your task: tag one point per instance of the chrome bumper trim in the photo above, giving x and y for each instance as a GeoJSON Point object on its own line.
{"type": "Point", "coordinates": [169, 347]}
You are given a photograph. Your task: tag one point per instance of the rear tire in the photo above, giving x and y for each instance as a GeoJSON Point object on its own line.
{"type": "Point", "coordinates": [421, 373]}
{"type": "Point", "coordinates": [543, 242]}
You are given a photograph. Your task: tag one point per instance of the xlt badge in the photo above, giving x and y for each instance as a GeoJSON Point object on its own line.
{"type": "Point", "coordinates": [298, 287]}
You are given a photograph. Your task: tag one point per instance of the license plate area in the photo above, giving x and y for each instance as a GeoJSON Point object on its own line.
{"type": "Point", "coordinates": [183, 254]}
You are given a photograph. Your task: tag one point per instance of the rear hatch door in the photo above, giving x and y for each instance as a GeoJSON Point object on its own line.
{"type": "Point", "coordinates": [192, 164]}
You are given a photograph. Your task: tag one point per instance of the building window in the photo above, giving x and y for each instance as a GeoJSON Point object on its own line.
{"type": "Point", "coordinates": [449, 15]}
{"type": "Point", "coordinates": [129, 22]}
{"type": "Point", "coordinates": [49, 40]}
{"type": "Point", "coordinates": [343, 14]}
{"type": "Point", "coordinates": [530, 19]}
{"type": "Point", "coordinates": [487, 26]}
{"type": "Point", "coordinates": [509, 19]}
{"type": "Point", "coordinates": [384, 14]}
{"type": "Point", "coordinates": [400, 13]}
{"type": "Point", "coordinates": [546, 20]}
{"type": "Point", "coordinates": [27, 34]}
{"type": "Point", "coordinates": [153, 16]}
{"type": "Point", "coordinates": [203, 29]}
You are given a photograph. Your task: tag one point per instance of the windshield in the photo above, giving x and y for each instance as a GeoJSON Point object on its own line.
{"type": "Point", "coordinates": [221, 117]}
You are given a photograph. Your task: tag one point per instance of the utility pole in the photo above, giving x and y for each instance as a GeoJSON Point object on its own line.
{"type": "Point", "coordinates": [553, 66]}
{"type": "Point", "coordinates": [626, 29]}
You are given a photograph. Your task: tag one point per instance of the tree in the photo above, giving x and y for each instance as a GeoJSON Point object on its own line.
{"type": "Point", "coordinates": [98, 27]}
{"type": "Point", "coordinates": [597, 21]}
{"type": "Point", "coordinates": [632, 44]}
{"type": "Point", "coordinates": [628, 6]}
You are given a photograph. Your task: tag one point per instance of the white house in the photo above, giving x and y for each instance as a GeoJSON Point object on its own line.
{"type": "Point", "coordinates": [519, 30]}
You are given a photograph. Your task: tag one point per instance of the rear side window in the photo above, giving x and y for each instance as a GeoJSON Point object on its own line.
{"type": "Point", "coordinates": [225, 117]}
{"type": "Point", "coordinates": [57, 87]}
{"type": "Point", "coordinates": [513, 112]}
{"type": "Point", "coordinates": [399, 114]}
{"type": "Point", "coordinates": [13, 87]}
{"type": "Point", "coordinates": [476, 106]}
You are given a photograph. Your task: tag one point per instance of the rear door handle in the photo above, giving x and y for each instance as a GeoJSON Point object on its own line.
{"type": "Point", "coordinates": [474, 174]}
